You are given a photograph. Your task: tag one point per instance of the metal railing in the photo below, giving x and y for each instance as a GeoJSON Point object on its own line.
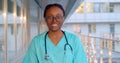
{"type": "Point", "coordinates": [104, 49]}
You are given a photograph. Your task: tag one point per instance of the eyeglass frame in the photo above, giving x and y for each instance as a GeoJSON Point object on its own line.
{"type": "Point", "coordinates": [57, 18]}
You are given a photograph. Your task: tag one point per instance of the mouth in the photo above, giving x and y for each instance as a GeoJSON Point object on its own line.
{"type": "Point", "coordinates": [54, 25]}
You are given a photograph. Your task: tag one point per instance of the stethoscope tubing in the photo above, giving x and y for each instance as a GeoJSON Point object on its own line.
{"type": "Point", "coordinates": [46, 52]}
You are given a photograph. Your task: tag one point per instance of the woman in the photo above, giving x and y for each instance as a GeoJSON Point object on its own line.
{"type": "Point", "coordinates": [55, 45]}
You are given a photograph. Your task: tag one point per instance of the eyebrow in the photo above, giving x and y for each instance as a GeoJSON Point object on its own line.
{"type": "Point", "coordinates": [56, 15]}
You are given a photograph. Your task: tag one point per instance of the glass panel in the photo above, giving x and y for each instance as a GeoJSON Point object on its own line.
{"type": "Point", "coordinates": [97, 7]}
{"type": "Point", "coordinates": [19, 34]}
{"type": "Point", "coordinates": [89, 27]}
{"type": "Point", "coordinates": [111, 7]}
{"type": "Point", "coordinates": [11, 38]}
{"type": "Point", "coordinates": [112, 28]}
{"type": "Point", "coordinates": [33, 21]}
{"type": "Point", "coordinates": [104, 7]}
{"type": "Point", "coordinates": [89, 7]}
{"type": "Point", "coordinates": [92, 28]}
{"type": "Point", "coordinates": [117, 7]}
{"type": "Point", "coordinates": [80, 9]}
{"type": "Point", "coordinates": [14, 32]}
{"type": "Point", "coordinates": [19, 39]}
{"type": "Point", "coordinates": [2, 44]}
{"type": "Point", "coordinates": [114, 7]}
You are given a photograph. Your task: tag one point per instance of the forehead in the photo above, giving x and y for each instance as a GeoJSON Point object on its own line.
{"type": "Point", "coordinates": [54, 10]}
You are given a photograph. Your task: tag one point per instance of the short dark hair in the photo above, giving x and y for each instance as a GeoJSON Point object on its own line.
{"type": "Point", "coordinates": [51, 5]}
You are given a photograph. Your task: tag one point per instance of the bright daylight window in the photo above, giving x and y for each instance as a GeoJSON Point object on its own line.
{"type": "Point", "coordinates": [80, 9]}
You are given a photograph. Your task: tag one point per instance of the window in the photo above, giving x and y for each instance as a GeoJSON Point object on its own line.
{"type": "Point", "coordinates": [96, 7]}
{"type": "Point", "coordinates": [114, 7]}
{"type": "Point", "coordinates": [12, 29]}
{"type": "Point", "coordinates": [80, 9]}
{"type": "Point", "coordinates": [112, 28]}
{"type": "Point", "coordinates": [111, 7]}
{"type": "Point", "coordinates": [92, 28]}
{"type": "Point", "coordinates": [89, 7]}
{"type": "Point", "coordinates": [104, 7]}
{"type": "Point", "coordinates": [112, 31]}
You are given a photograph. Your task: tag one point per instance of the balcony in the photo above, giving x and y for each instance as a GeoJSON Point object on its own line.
{"type": "Point", "coordinates": [104, 49]}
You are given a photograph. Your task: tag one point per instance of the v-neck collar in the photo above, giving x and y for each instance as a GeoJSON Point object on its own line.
{"type": "Point", "coordinates": [61, 42]}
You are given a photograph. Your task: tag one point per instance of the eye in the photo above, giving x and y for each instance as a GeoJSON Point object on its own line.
{"type": "Point", "coordinates": [59, 17]}
{"type": "Point", "coordinates": [48, 17]}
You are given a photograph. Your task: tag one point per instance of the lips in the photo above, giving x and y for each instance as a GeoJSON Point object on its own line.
{"type": "Point", "coordinates": [54, 25]}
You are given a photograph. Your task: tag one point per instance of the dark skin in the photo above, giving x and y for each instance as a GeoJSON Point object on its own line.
{"type": "Point", "coordinates": [55, 33]}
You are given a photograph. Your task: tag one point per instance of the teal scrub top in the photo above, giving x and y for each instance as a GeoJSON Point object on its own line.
{"type": "Point", "coordinates": [36, 50]}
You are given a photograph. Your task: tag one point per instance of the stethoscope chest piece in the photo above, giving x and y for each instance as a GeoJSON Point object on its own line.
{"type": "Point", "coordinates": [47, 57]}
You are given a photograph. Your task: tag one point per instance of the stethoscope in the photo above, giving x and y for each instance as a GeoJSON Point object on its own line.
{"type": "Point", "coordinates": [46, 53]}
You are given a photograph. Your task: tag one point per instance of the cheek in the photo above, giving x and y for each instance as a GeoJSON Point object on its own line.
{"type": "Point", "coordinates": [61, 23]}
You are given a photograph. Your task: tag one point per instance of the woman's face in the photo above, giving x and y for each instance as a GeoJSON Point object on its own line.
{"type": "Point", "coordinates": [54, 18]}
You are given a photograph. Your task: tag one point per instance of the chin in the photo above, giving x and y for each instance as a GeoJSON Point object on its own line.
{"type": "Point", "coordinates": [55, 30]}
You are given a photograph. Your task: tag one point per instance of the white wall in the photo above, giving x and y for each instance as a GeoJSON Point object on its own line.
{"type": "Point", "coordinates": [94, 17]}
{"type": "Point", "coordinates": [102, 29]}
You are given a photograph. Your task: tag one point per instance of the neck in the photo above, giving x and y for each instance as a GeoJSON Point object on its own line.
{"type": "Point", "coordinates": [59, 32]}
{"type": "Point", "coordinates": [55, 36]}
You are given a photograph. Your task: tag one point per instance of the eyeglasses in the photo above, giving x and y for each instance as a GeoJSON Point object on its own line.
{"type": "Point", "coordinates": [50, 18]}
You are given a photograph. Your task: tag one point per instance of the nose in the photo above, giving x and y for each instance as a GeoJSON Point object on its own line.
{"type": "Point", "coordinates": [54, 19]}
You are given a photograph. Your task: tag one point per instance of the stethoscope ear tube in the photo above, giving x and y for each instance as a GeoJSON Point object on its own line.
{"type": "Point", "coordinates": [67, 43]}
{"type": "Point", "coordinates": [45, 44]}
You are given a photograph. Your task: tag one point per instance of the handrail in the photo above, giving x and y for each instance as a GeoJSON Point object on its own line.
{"type": "Point", "coordinates": [96, 46]}
{"type": "Point", "coordinates": [102, 38]}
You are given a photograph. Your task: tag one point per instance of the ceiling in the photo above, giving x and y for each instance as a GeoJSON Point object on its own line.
{"type": "Point", "coordinates": [69, 5]}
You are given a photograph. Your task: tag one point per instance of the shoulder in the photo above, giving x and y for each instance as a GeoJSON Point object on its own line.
{"type": "Point", "coordinates": [38, 41]}
{"type": "Point", "coordinates": [38, 38]}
